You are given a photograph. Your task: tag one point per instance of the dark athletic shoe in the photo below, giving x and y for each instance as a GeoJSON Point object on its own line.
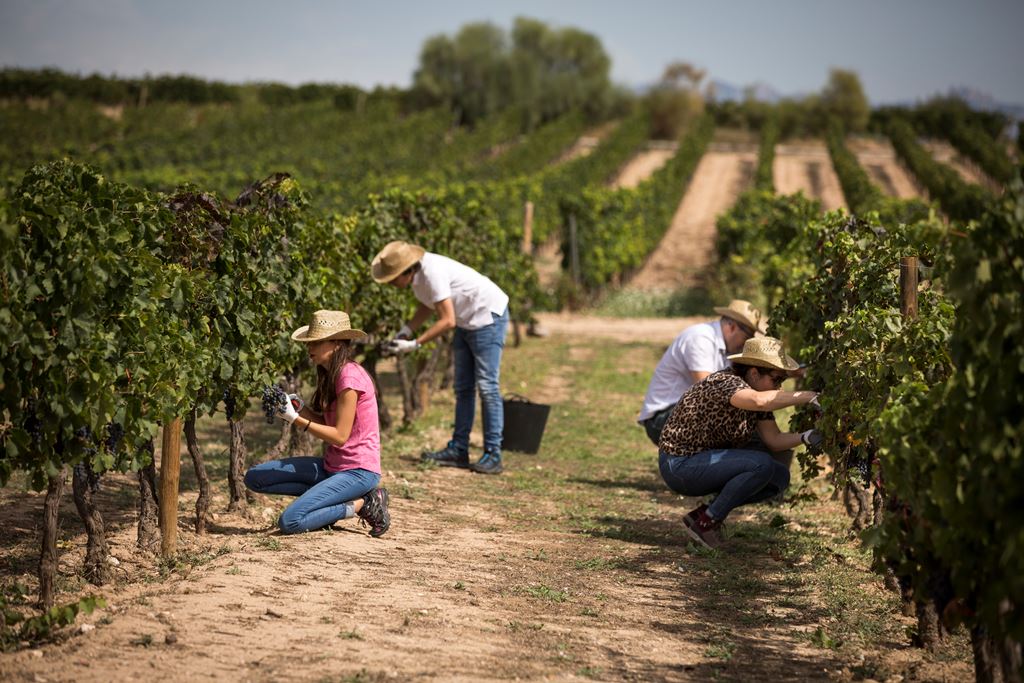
{"type": "Point", "coordinates": [374, 512]}
{"type": "Point", "coordinates": [702, 528]}
{"type": "Point", "coordinates": [489, 463]}
{"type": "Point", "coordinates": [449, 456]}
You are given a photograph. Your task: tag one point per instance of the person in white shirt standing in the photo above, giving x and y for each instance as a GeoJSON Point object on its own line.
{"type": "Point", "coordinates": [696, 353]}
{"type": "Point", "coordinates": [477, 309]}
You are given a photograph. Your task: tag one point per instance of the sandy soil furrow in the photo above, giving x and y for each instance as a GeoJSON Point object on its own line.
{"type": "Point", "coordinates": [642, 166]}
{"type": "Point", "coordinates": [685, 251]}
{"type": "Point", "coordinates": [945, 153]}
{"type": "Point", "coordinates": [879, 160]}
{"type": "Point", "coordinates": [807, 167]}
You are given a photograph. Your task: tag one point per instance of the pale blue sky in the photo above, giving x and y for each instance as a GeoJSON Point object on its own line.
{"type": "Point", "coordinates": [902, 49]}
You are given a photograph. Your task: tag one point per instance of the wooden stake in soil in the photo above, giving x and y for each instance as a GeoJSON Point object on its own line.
{"type": "Point", "coordinates": [574, 250]}
{"type": "Point", "coordinates": [908, 287]}
{"type": "Point", "coordinates": [170, 469]}
{"type": "Point", "coordinates": [528, 228]}
{"type": "Point", "coordinates": [48, 559]}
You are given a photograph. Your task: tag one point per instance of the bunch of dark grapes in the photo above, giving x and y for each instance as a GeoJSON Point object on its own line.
{"type": "Point", "coordinates": [864, 469]}
{"type": "Point", "coordinates": [115, 432]}
{"type": "Point", "coordinates": [229, 403]}
{"type": "Point", "coordinates": [33, 425]}
{"type": "Point", "coordinates": [274, 400]}
{"type": "Point", "coordinates": [85, 434]}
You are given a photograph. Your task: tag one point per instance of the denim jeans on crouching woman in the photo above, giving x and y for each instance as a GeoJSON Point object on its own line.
{"type": "Point", "coordinates": [737, 475]}
{"type": "Point", "coordinates": [322, 494]}
{"type": "Point", "coordinates": [477, 356]}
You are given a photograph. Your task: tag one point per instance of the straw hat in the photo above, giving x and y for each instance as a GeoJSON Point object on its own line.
{"type": "Point", "coordinates": [327, 325]}
{"type": "Point", "coordinates": [764, 352]}
{"type": "Point", "coordinates": [393, 259]}
{"type": "Point", "coordinates": [744, 313]}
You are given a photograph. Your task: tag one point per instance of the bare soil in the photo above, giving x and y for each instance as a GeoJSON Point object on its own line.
{"type": "Point", "coordinates": [566, 568]}
{"type": "Point", "coordinates": [661, 330]}
{"type": "Point", "coordinates": [685, 252]}
{"type": "Point", "coordinates": [643, 166]}
{"type": "Point", "coordinates": [878, 158]}
{"type": "Point", "coordinates": [945, 153]}
{"type": "Point", "coordinates": [805, 166]}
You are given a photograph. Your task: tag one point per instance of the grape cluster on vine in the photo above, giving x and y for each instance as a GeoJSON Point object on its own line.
{"type": "Point", "coordinates": [229, 403]}
{"type": "Point", "coordinates": [274, 400]}
{"type": "Point", "coordinates": [33, 425]}
{"type": "Point", "coordinates": [115, 432]}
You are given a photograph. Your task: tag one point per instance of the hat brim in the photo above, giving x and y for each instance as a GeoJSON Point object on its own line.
{"type": "Point", "coordinates": [733, 315]}
{"type": "Point", "coordinates": [788, 363]}
{"type": "Point", "coordinates": [380, 273]}
{"type": "Point", "coordinates": [302, 335]}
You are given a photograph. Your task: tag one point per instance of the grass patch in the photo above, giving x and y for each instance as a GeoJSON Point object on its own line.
{"type": "Point", "coordinates": [543, 592]}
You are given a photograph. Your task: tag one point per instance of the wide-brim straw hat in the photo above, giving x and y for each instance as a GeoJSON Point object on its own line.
{"type": "Point", "coordinates": [764, 352]}
{"type": "Point", "coordinates": [394, 259]}
{"type": "Point", "coordinates": [327, 325]}
{"type": "Point", "coordinates": [744, 312]}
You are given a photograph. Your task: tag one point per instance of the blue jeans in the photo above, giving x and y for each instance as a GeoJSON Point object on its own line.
{"type": "Point", "coordinates": [477, 355]}
{"type": "Point", "coordinates": [655, 423]}
{"type": "Point", "coordinates": [739, 477]}
{"type": "Point", "coordinates": [322, 495]}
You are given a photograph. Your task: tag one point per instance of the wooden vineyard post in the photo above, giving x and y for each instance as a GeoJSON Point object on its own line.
{"type": "Point", "coordinates": [574, 251]}
{"type": "Point", "coordinates": [170, 469]}
{"type": "Point", "coordinates": [528, 228]}
{"type": "Point", "coordinates": [908, 287]}
{"type": "Point", "coordinates": [527, 248]}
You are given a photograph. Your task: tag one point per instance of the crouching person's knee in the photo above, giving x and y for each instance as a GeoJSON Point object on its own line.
{"type": "Point", "coordinates": [289, 522]}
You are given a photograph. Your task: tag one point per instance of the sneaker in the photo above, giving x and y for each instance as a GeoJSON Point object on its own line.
{"type": "Point", "coordinates": [374, 512]}
{"type": "Point", "coordinates": [449, 456]}
{"type": "Point", "coordinates": [489, 463]}
{"type": "Point", "coordinates": [702, 528]}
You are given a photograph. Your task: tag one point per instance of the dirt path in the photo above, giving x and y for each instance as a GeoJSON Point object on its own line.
{"type": "Point", "coordinates": [878, 158]}
{"type": "Point", "coordinates": [806, 166]}
{"type": "Point", "coordinates": [579, 326]}
{"type": "Point", "coordinates": [548, 256]}
{"type": "Point", "coordinates": [586, 143]}
{"type": "Point", "coordinates": [570, 566]}
{"type": "Point", "coordinates": [945, 153]}
{"type": "Point", "coordinates": [685, 251]}
{"type": "Point", "coordinates": [644, 165]}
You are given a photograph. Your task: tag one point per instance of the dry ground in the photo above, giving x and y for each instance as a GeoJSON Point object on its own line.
{"type": "Point", "coordinates": [570, 566]}
{"type": "Point", "coordinates": [879, 160]}
{"type": "Point", "coordinates": [805, 166]}
{"type": "Point", "coordinates": [686, 250]}
{"type": "Point", "coordinates": [945, 153]}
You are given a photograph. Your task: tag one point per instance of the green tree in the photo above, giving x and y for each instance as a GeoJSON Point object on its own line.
{"type": "Point", "coordinates": [541, 71]}
{"type": "Point", "coordinates": [844, 98]}
{"type": "Point", "coordinates": [676, 101]}
{"type": "Point", "coordinates": [469, 74]}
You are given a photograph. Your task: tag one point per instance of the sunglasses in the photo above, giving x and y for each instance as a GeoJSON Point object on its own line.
{"type": "Point", "coordinates": [777, 379]}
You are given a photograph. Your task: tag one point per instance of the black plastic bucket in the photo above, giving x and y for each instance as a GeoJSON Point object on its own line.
{"type": "Point", "coordinates": [524, 424]}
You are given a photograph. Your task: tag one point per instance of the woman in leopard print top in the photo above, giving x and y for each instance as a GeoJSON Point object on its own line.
{"type": "Point", "coordinates": [702, 446]}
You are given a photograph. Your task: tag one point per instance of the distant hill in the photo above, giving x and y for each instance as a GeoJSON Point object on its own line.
{"type": "Point", "coordinates": [727, 92]}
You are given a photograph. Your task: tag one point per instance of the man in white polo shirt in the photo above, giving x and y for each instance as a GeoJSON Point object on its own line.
{"type": "Point", "coordinates": [696, 353]}
{"type": "Point", "coordinates": [477, 309]}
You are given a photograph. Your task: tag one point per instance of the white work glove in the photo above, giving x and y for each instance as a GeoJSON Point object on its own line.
{"type": "Point", "coordinates": [288, 412]}
{"type": "Point", "coordinates": [297, 402]}
{"type": "Point", "coordinates": [811, 438]}
{"type": "Point", "coordinates": [404, 333]}
{"type": "Point", "coordinates": [401, 346]}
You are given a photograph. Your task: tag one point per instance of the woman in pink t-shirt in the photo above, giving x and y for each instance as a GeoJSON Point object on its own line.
{"type": "Point", "coordinates": [343, 413]}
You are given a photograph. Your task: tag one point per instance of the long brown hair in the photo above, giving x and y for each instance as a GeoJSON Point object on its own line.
{"type": "Point", "coordinates": [327, 380]}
